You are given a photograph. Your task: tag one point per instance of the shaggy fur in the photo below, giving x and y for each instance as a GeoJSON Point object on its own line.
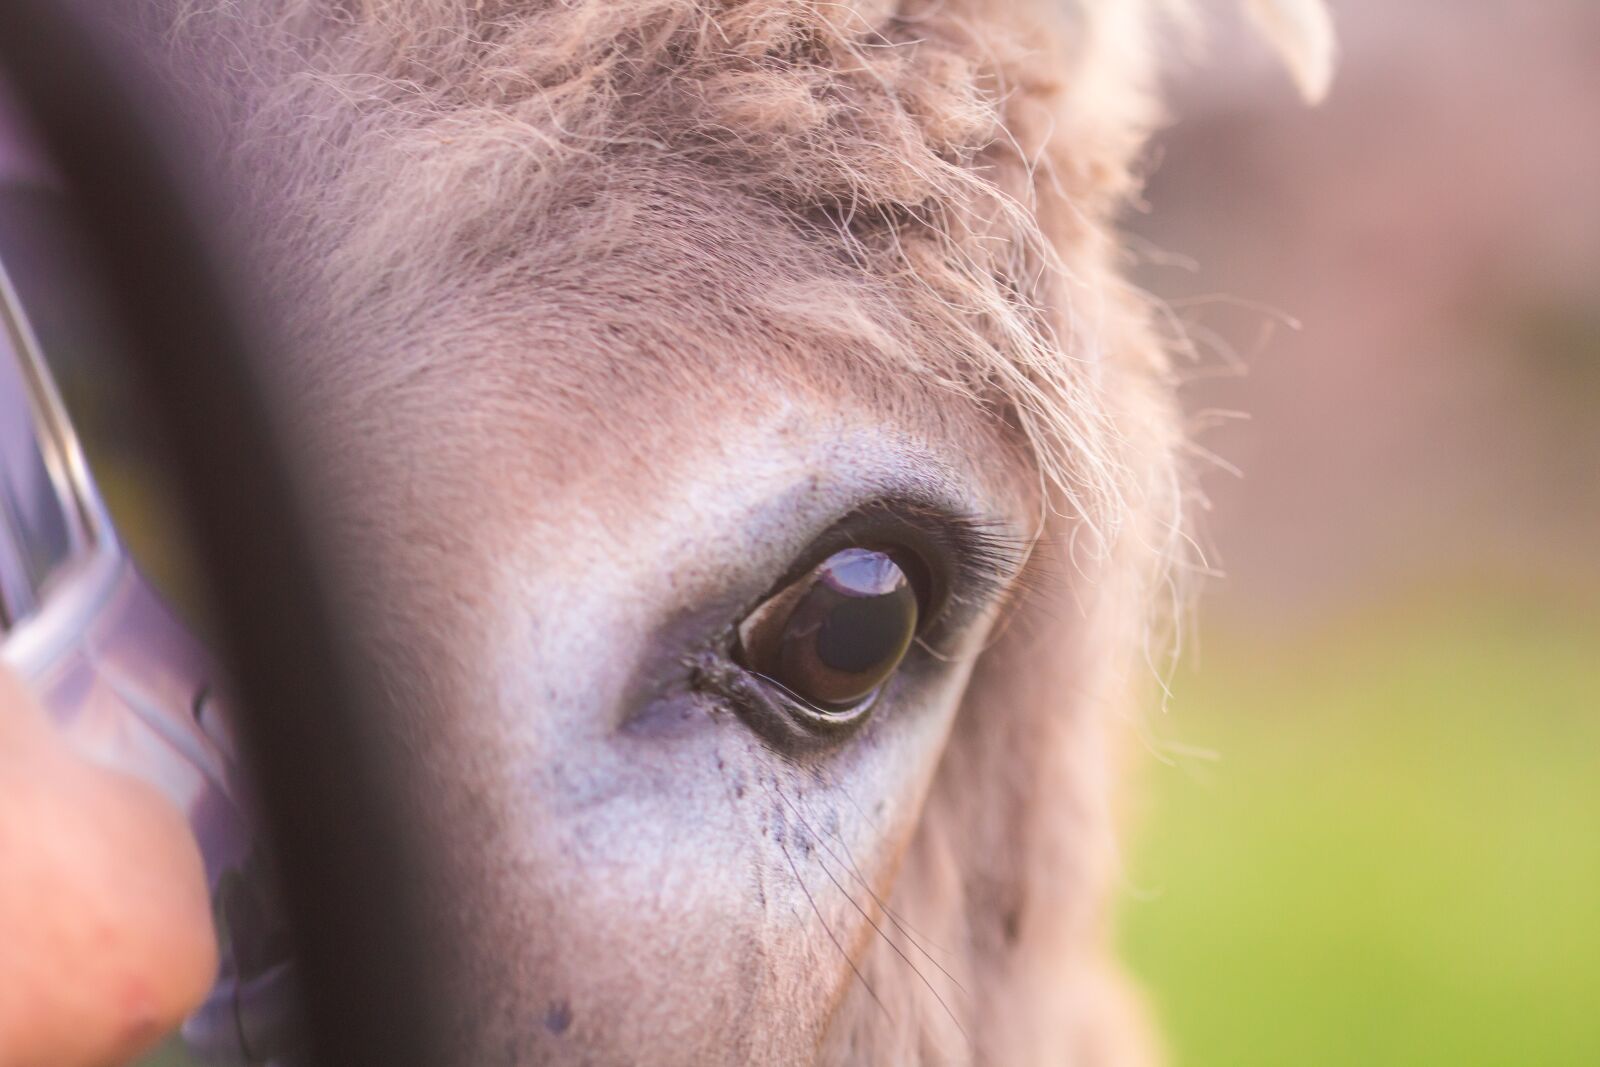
{"type": "Point", "coordinates": [904, 189]}
{"type": "Point", "coordinates": [962, 165]}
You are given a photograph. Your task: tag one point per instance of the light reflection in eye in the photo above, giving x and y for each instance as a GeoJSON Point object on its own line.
{"type": "Point", "coordinates": [836, 635]}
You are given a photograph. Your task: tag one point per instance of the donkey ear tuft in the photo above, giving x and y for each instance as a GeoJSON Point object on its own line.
{"type": "Point", "coordinates": [1302, 33]}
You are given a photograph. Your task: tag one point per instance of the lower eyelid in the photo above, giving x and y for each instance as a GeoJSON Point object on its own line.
{"type": "Point", "coordinates": [783, 721]}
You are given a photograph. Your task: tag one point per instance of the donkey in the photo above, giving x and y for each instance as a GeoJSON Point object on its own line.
{"type": "Point", "coordinates": [761, 484]}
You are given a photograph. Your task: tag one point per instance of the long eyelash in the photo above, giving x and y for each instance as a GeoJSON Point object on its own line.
{"type": "Point", "coordinates": [989, 554]}
{"type": "Point", "coordinates": [981, 556]}
{"type": "Point", "coordinates": [993, 564]}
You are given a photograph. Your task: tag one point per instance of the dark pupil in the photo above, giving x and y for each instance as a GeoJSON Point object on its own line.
{"type": "Point", "coordinates": [850, 630]}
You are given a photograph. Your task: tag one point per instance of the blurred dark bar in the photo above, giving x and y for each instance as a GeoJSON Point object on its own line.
{"type": "Point", "coordinates": [311, 741]}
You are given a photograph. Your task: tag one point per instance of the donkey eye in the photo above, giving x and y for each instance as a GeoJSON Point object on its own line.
{"type": "Point", "coordinates": [836, 635]}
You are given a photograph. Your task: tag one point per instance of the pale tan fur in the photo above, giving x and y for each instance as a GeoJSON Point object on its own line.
{"type": "Point", "coordinates": [923, 189]}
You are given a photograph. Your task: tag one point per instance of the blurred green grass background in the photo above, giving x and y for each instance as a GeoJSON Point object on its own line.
{"type": "Point", "coordinates": [1393, 856]}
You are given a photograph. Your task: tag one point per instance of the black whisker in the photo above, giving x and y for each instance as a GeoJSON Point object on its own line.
{"type": "Point", "coordinates": [917, 936]}
{"type": "Point", "coordinates": [876, 928]}
{"type": "Point", "coordinates": [801, 882]}
{"type": "Point", "coordinates": [913, 935]}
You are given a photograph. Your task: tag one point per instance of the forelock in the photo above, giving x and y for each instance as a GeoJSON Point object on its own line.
{"type": "Point", "coordinates": [949, 170]}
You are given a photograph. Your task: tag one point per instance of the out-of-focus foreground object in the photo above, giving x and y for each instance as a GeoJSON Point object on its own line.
{"type": "Point", "coordinates": [118, 672]}
{"type": "Point", "coordinates": [104, 913]}
{"type": "Point", "coordinates": [124, 680]}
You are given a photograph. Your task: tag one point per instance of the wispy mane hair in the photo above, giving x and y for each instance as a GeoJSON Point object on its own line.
{"type": "Point", "coordinates": [960, 161]}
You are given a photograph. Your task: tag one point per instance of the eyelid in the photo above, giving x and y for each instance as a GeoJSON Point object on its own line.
{"type": "Point", "coordinates": [990, 553]}
{"type": "Point", "coordinates": [973, 557]}
{"type": "Point", "coordinates": [790, 723]}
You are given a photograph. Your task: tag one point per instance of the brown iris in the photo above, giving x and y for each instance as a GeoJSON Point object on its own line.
{"type": "Point", "coordinates": [836, 635]}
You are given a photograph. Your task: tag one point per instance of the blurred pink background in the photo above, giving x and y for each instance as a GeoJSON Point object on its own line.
{"type": "Point", "coordinates": [1434, 228]}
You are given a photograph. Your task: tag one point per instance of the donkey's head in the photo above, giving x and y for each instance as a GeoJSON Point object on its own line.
{"type": "Point", "coordinates": [762, 472]}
